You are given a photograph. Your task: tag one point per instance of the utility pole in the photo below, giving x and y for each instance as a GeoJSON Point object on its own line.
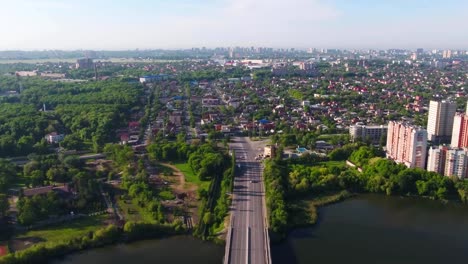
{"type": "Point", "coordinates": [253, 126]}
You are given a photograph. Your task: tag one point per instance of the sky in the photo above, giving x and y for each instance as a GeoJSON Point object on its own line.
{"type": "Point", "coordinates": [175, 24]}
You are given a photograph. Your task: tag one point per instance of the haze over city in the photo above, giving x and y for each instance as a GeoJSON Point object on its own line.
{"type": "Point", "coordinates": [115, 25]}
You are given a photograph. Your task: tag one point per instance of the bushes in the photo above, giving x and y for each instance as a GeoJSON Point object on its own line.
{"type": "Point", "coordinates": [275, 187]}
{"type": "Point", "coordinates": [137, 231]}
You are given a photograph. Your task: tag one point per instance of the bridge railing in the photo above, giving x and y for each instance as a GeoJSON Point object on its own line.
{"type": "Point", "coordinates": [227, 250]}
{"type": "Point", "coordinates": [265, 219]}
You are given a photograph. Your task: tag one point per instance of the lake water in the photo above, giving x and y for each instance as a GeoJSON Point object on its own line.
{"type": "Point", "coordinates": [180, 249]}
{"type": "Point", "coordinates": [365, 229]}
{"type": "Point", "coordinates": [381, 229]}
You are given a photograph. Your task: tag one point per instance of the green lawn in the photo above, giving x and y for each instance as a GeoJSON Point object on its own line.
{"type": "Point", "coordinates": [133, 212]}
{"type": "Point", "coordinates": [190, 176]}
{"type": "Point", "coordinates": [68, 230]}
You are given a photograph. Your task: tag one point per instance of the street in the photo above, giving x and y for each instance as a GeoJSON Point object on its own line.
{"type": "Point", "coordinates": [247, 244]}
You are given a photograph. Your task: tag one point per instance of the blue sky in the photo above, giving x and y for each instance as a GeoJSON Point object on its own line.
{"type": "Point", "coordinates": [118, 24]}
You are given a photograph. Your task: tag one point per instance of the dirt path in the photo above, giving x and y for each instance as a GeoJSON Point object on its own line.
{"type": "Point", "coordinates": [189, 190]}
{"type": "Point", "coordinates": [182, 186]}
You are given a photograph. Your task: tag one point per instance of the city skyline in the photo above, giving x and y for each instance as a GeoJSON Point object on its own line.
{"type": "Point", "coordinates": [122, 25]}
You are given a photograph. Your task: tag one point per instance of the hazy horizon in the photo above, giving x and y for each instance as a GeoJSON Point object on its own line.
{"type": "Point", "coordinates": [143, 24]}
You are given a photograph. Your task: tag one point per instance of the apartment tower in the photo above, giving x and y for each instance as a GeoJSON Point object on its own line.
{"type": "Point", "coordinates": [407, 144]}
{"type": "Point", "coordinates": [448, 161]}
{"type": "Point", "coordinates": [460, 130]}
{"type": "Point", "coordinates": [440, 121]}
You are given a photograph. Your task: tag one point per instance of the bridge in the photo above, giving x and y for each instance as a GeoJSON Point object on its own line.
{"type": "Point", "coordinates": [247, 239]}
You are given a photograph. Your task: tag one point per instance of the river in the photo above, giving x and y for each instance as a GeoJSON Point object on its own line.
{"type": "Point", "coordinates": [364, 229]}
{"type": "Point", "coordinates": [380, 229]}
{"type": "Point", "coordinates": [175, 250]}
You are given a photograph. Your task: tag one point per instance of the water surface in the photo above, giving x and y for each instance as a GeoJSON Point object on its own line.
{"type": "Point", "coordinates": [381, 229]}
{"type": "Point", "coordinates": [179, 249]}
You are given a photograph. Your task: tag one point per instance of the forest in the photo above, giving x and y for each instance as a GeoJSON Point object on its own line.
{"type": "Point", "coordinates": [87, 113]}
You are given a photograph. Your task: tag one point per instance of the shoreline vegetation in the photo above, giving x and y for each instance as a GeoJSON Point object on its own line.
{"type": "Point", "coordinates": [109, 235]}
{"type": "Point", "coordinates": [296, 187]}
{"type": "Point", "coordinates": [305, 211]}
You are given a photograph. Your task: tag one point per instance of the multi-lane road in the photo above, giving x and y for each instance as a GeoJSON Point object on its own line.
{"type": "Point", "coordinates": [247, 240]}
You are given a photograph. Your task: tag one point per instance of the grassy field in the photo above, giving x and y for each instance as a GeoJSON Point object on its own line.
{"type": "Point", "coordinates": [131, 212]}
{"type": "Point", "coordinates": [190, 176]}
{"type": "Point", "coordinates": [66, 231]}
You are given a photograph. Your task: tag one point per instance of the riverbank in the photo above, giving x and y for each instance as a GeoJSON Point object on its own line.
{"type": "Point", "coordinates": [109, 235]}
{"type": "Point", "coordinates": [304, 211]}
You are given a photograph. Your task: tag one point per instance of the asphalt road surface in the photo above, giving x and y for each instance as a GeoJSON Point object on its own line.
{"type": "Point", "coordinates": [247, 220]}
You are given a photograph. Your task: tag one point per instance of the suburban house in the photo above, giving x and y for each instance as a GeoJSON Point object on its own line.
{"type": "Point", "coordinates": [54, 137]}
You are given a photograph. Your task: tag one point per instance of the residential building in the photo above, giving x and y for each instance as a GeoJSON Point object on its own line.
{"type": "Point", "coordinates": [440, 120]}
{"type": "Point", "coordinates": [460, 131]}
{"type": "Point", "coordinates": [85, 63]}
{"type": "Point", "coordinates": [447, 54]}
{"type": "Point", "coordinates": [54, 137]}
{"type": "Point", "coordinates": [26, 73]}
{"type": "Point", "coordinates": [437, 158]}
{"type": "Point", "coordinates": [52, 75]}
{"type": "Point", "coordinates": [407, 144]}
{"type": "Point", "coordinates": [448, 161]}
{"type": "Point", "coordinates": [269, 151]}
{"type": "Point", "coordinates": [363, 132]}
{"type": "Point", "coordinates": [305, 66]}
{"type": "Point", "coordinates": [64, 191]}
{"type": "Point", "coordinates": [153, 78]}
{"type": "Point", "coordinates": [456, 163]}
{"type": "Point", "coordinates": [176, 118]}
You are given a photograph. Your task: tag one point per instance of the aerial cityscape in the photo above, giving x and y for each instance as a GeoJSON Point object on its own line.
{"type": "Point", "coordinates": [233, 132]}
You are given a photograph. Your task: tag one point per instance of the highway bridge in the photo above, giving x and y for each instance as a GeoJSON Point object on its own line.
{"type": "Point", "coordinates": [247, 240]}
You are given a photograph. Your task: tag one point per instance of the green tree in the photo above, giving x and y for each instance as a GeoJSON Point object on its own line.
{"type": "Point", "coordinates": [208, 218]}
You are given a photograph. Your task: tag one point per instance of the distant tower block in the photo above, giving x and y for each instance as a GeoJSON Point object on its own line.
{"type": "Point", "coordinates": [95, 72]}
{"type": "Point", "coordinates": [85, 63]}
{"type": "Point", "coordinates": [440, 121]}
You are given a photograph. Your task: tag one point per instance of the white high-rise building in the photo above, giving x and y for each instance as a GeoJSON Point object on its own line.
{"type": "Point", "coordinates": [407, 144]}
{"type": "Point", "coordinates": [440, 120]}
